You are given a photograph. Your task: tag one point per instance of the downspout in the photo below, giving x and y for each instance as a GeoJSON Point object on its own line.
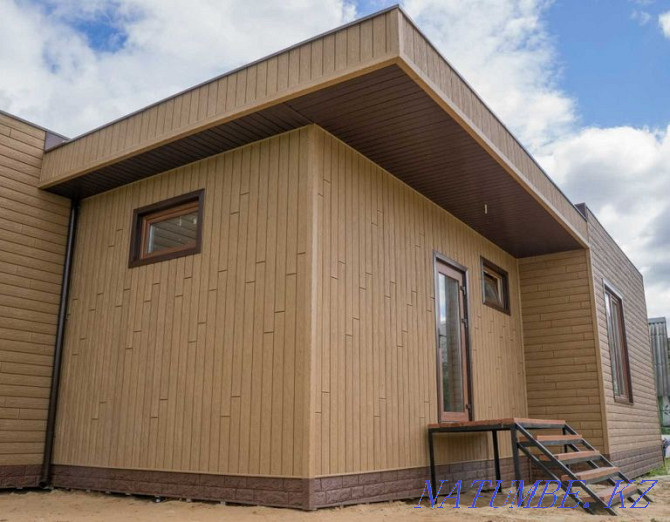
{"type": "Point", "coordinates": [45, 478]}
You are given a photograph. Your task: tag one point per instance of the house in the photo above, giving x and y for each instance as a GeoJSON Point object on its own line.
{"type": "Point", "coordinates": [658, 332]}
{"type": "Point", "coordinates": [266, 288]}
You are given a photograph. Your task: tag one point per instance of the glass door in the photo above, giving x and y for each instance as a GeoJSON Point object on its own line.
{"type": "Point", "coordinates": [452, 357]}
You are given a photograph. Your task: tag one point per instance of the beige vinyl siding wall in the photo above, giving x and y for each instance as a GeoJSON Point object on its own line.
{"type": "Point", "coordinates": [33, 229]}
{"type": "Point", "coordinates": [562, 372]}
{"type": "Point", "coordinates": [332, 58]}
{"type": "Point", "coordinates": [637, 425]}
{"type": "Point", "coordinates": [374, 363]}
{"type": "Point", "coordinates": [198, 363]}
{"type": "Point", "coordinates": [423, 61]}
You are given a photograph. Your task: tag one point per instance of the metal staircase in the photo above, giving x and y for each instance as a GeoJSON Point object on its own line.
{"type": "Point", "coordinates": [577, 460]}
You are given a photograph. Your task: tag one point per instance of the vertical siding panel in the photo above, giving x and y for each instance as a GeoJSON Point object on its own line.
{"type": "Point", "coordinates": [256, 364]}
{"type": "Point", "coordinates": [316, 369]}
{"type": "Point", "coordinates": [288, 410]}
{"type": "Point", "coordinates": [251, 340]}
{"type": "Point", "coordinates": [265, 459]}
{"type": "Point", "coordinates": [379, 36]}
{"type": "Point", "coordinates": [341, 49]}
{"type": "Point", "coordinates": [231, 92]}
{"type": "Point", "coordinates": [252, 74]}
{"type": "Point", "coordinates": [222, 94]}
{"type": "Point", "coordinates": [261, 81]}
{"type": "Point", "coordinates": [560, 358]}
{"type": "Point", "coordinates": [631, 431]}
{"type": "Point", "coordinates": [316, 55]}
{"type": "Point", "coordinates": [366, 40]}
{"type": "Point", "coordinates": [203, 395]}
{"type": "Point", "coordinates": [376, 321]}
{"type": "Point", "coordinates": [273, 76]}
{"type": "Point", "coordinates": [207, 370]}
{"type": "Point", "coordinates": [353, 35]}
{"type": "Point", "coordinates": [153, 122]}
{"type": "Point", "coordinates": [282, 72]}
{"type": "Point", "coordinates": [305, 63]}
{"type": "Point", "coordinates": [324, 315]}
{"type": "Point", "coordinates": [328, 54]}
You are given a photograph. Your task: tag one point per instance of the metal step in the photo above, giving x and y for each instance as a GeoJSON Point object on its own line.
{"type": "Point", "coordinates": [606, 493]}
{"type": "Point", "coordinates": [573, 457]}
{"type": "Point", "coordinates": [593, 475]}
{"type": "Point", "coordinates": [541, 424]}
{"type": "Point", "coordinates": [558, 440]}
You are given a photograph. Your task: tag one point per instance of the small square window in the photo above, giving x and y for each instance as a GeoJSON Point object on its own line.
{"type": "Point", "coordinates": [495, 286]}
{"type": "Point", "coordinates": [168, 229]}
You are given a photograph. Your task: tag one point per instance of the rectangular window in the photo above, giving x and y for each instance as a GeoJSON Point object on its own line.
{"type": "Point", "coordinates": [452, 349]}
{"type": "Point", "coordinates": [616, 337]}
{"type": "Point", "coordinates": [495, 288]}
{"type": "Point", "coordinates": [167, 229]}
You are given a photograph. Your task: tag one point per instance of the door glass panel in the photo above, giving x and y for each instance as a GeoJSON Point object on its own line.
{"type": "Point", "coordinates": [450, 345]}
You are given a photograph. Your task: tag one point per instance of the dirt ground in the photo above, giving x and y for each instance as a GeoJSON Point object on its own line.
{"type": "Point", "coordinates": [66, 506]}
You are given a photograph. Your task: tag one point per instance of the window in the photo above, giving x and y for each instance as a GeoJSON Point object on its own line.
{"type": "Point", "coordinates": [616, 337]}
{"type": "Point", "coordinates": [168, 229]}
{"type": "Point", "coordinates": [494, 286]}
{"type": "Point", "coordinates": [453, 369]}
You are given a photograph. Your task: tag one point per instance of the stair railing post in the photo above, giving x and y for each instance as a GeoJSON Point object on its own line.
{"type": "Point", "coordinates": [515, 453]}
{"type": "Point", "coordinates": [496, 453]}
{"type": "Point", "coordinates": [432, 460]}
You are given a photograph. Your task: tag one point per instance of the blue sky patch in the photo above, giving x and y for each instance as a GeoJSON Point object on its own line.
{"type": "Point", "coordinates": [615, 60]}
{"type": "Point", "coordinates": [102, 33]}
{"type": "Point", "coordinates": [101, 24]}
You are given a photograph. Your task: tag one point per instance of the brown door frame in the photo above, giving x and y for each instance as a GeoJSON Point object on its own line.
{"type": "Point", "coordinates": [468, 414]}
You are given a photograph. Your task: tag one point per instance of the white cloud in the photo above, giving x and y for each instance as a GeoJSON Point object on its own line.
{"type": "Point", "coordinates": [50, 73]}
{"type": "Point", "coordinates": [623, 173]}
{"type": "Point", "coordinates": [641, 17]}
{"type": "Point", "coordinates": [664, 22]}
{"type": "Point", "coordinates": [53, 76]}
{"type": "Point", "coordinates": [505, 51]}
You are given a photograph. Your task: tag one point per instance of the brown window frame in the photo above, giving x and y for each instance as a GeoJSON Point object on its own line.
{"type": "Point", "coordinates": [468, 413]}
{"type": "Point", "coordinates": [611, 294]}
{"type": "Point", "coordinates": [143, 217]}
{"type": "Point", "coordinates": [487, 265]}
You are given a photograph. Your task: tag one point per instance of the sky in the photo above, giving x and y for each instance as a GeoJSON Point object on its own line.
{"type": "Point", "coordinates": [583, 84]}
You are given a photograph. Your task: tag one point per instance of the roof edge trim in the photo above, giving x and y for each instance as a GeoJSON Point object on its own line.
{"type": "Point", "coordinates": [590, 214]}
{"type": "Point", "coordinates": [217, 119]}
{"type": "Point", "coordinates": [478, 135]}
{"type": "Point", "coordinates": [230, 72]}
{"type": "Point", "coordinates": [35, 125]}
{"type": "Point", "coordinates": [476, 95]}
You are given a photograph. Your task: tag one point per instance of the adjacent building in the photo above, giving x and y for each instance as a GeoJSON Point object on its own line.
{"type": "Point", "coordinates": [658, 333]}
{"type": "Point", "coordinates": [264, 289]}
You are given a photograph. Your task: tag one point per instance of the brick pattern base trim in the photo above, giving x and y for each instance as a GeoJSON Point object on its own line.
{"type": "Point", "coordinates": [638, 461]}
{"type": "Point", "coordinates": [404, 484]}
{"type": "Point", "coordinates": [20, 476]}
{"type": "Point", "coordinates": [279, 492]}
{"type": "Point", "coordinates": [266, 491]}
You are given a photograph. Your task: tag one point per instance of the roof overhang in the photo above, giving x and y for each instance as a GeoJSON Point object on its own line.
{"type": "Point", "coordinates": [390, 95]}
